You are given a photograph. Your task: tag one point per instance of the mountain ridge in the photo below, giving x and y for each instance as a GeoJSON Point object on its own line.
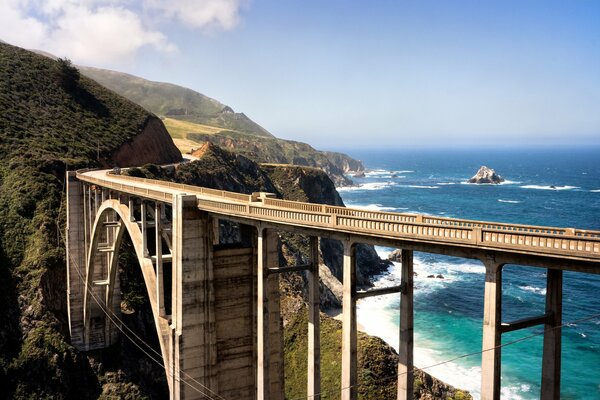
{"type": "Point", "coordinates": [237, 132]}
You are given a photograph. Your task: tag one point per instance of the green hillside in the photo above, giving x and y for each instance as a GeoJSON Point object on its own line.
{"type": "Point", "coordinates": [166, 99]}
{"type": "Point", "coordinates": [51, 120]}
{"type": "Point", "coordinates": [193, 119]}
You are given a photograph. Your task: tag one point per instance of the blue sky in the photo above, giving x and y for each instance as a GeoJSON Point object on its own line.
{"type": "Point", "coordinates": [351, 73]}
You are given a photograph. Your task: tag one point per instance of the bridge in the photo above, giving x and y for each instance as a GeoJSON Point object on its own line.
{"type": "Point", "coordinates": [216, 307]}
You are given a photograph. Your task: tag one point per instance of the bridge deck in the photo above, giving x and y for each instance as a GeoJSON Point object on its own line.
{"type": "Point", "coordinates": [549, 242]}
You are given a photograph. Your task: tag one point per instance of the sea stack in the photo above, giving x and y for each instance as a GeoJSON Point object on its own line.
{"type": "Point", "coordinates": [486, 175]}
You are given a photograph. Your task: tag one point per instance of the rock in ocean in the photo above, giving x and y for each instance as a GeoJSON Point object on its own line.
{"type": "Point", "coordinates": [486, 175]}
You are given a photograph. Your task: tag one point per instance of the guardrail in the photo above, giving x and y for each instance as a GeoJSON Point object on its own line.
{"type": "Point", "coordinates": [539, 239]}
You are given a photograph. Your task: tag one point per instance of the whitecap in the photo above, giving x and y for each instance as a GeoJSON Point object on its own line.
{"type": "Point", "coordinates": [420, 186]}
{"type": "Point", "coordinates": [505, 182]}
{"type": "Point", "coordinates": [372, 207]}
{"type": "Point", "coordinates": [533, 289]}
{"type": "Point", "coordinates": [446, 183]}
{"type": "Point", "coordinates": [510, 201]}
{"type": "Point", "coordinates": [366, 186]}
{"type": "Point", "coordinates": [549, 187]}
{"type": "Point", "coordinates": [377, 172]}
{"type": "Point", "coordinates": [595, 191]}
{"type": "Point", "coordinates": [406, 171]}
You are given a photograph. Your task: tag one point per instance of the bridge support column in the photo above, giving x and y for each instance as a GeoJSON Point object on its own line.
{"type": "Point", "coordinates": [492, 314]}
{"type": "Point", "coordinates": [405, 348]}
{"type": "Point", "coordinates": [269, 342]}
{"type": "Point", "coordinates": [314, 324]}
{"type": "Point", "coordinates": [76, 255]}
{"type": "Point", "coordinates": [349, 334]}
{"type": "Point", "coordinates": [194, 347]}
{"type": "Point", "coordinates": [262, 320]}
{"type": "Point", "coordinates": [551, 361]}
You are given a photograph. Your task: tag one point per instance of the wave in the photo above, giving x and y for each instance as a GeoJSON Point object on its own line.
{"type": "Point", "coordinates": [533, 289]}
{"type": "Point", "coordinates": [372, 207]}
{"type": "Point", "coordinates": [595, 191]}
{"type": "Point", "coordinates": [446, 183]}
{"type": "Point", "coordinates": [510, 201]}
{"type": "Point", "coordinates": [549, 187]}
{"type": "Point", "coordinates": [366, 186]}
{"type": "Point", "coordinates": [506, 182]}
{"type": "Point", "coordinates": [377, 172]}
{"type": "Point", "coordinates": [406, 171]}
{"type": "Point", "coordinates": [378, 319]}
{"type": "Point", "coordinates": [420, 186]}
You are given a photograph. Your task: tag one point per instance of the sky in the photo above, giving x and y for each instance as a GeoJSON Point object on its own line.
{"type": "Point", "coordinates": [351, 74]}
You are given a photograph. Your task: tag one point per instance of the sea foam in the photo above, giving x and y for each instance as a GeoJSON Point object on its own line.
{"type": "Point", "coordinates": [533, 289]}
{"type": "Point", "coordinates": [549, 187]}
{"type": "Point", "coordinates": [366, 186]}
{"type": "Point", "coordinates": [510, 201]}
{"type": "Point", "coordinates": [372, 207]}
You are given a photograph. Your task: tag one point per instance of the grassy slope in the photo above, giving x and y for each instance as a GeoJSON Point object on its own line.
{"type": "Point", "coordinates": [46, 126]}
{"type": "Point", "coordinates": [199, 117]}
{"type": "Point", "coordinates": [165, 99]}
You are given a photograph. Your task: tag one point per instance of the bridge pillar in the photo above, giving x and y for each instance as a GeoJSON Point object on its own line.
{"type": "Point", "coordinates": [269, 341]}
{"type": "Point", "coordinates": [314, 324]}
{"type": "Point", "coordinates": [194, 355]}
{"type": "Point", "coordinates": [349, 334]}
{"type": "Point", "coordinates": [405, 347]}
{"type": "Point", "coordinates": [551, 361]}
{"type": "Point", "coordinates": [492, 314]}
{"type": "Point", "coordinates": [76, 255]}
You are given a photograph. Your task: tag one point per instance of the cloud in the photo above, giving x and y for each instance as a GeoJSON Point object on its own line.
{"type": "Point", "coordinates": [107, 32]}
{"type": "Point", "coordinates": [223, 14]}
{"type": "Point", "coordinates": [110, 34]}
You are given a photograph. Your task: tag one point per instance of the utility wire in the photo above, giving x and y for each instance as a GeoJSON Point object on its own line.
{"type": "Point", "coordinates": [119, 327]}
{"type": "Point", "coordinates": [566, 324]}
{"type": "Point", "coordinates": [134, 342]}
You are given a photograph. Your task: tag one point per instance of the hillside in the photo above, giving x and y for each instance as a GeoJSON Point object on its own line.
{"type": "Point", "coordinates": [51, 120]}
{"type": "Point", "coordinates": [193, 119]}
{"type": "Point", "coordinates": [166, 99]}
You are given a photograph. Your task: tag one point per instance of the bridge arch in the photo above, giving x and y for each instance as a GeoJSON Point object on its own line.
{"type": "Point", "coordinates": [101, 278]}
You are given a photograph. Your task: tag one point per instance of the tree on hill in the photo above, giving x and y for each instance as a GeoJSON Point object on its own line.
{"type": "Point", "coordinates": [66, 75]}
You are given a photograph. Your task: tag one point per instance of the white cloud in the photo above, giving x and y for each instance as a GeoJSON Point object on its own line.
{"type": "Point", "coordinates": [107, 32]}
{"type": "Point", "coordinates": [223, 14]}
{"type": "Point", "coordinates": [110, 34]}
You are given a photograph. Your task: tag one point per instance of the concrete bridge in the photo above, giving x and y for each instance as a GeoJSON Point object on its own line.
{"type": "Point", "coordinates": [216, 307]}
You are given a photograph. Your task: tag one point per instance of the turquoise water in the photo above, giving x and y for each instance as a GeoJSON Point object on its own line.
{"type": "Point", "coordinates": [544, 187]}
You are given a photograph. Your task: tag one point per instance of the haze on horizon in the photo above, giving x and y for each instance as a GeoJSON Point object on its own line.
{"type": "Point", "coordinates": [351, 73]}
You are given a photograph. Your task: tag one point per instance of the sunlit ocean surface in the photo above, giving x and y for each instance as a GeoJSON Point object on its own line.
{"type": "Point", "coordinates": [544, 187]}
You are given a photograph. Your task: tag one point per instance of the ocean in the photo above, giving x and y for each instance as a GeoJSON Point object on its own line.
{"type": "Point", "coordinates": [559, 187]}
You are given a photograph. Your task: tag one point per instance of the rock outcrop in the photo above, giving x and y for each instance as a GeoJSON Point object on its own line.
{"type": "Point", "coordinates": [152, 145]}
{"type": "Point", "coordinates": [395, 256]}
{"type": "Point", "coordinates": [486, 175]}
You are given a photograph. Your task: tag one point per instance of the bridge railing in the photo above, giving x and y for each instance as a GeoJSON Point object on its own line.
{"type": "Point", "coordinates": [406, 226]}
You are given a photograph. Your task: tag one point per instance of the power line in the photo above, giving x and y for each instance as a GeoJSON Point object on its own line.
{"type": "Point", "coordinates": [133, 341]}
{"type": "Point", "coordinates": [395, 376]}
{"type": "Point", "coordinates": [119, 327]}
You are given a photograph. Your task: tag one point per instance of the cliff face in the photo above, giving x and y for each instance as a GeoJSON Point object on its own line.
{"type": "Point", "coordinates": [152, 145]}
{"type": "Point", "coordinates": [279, 151]}
{"type": "Point", "coordinates": [313, 186]}
{"type": "Point", "coordinates": [345, 162]}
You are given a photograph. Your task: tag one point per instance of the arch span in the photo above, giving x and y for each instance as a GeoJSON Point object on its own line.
{"type": "Point", "coordinates": [101, 278]}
